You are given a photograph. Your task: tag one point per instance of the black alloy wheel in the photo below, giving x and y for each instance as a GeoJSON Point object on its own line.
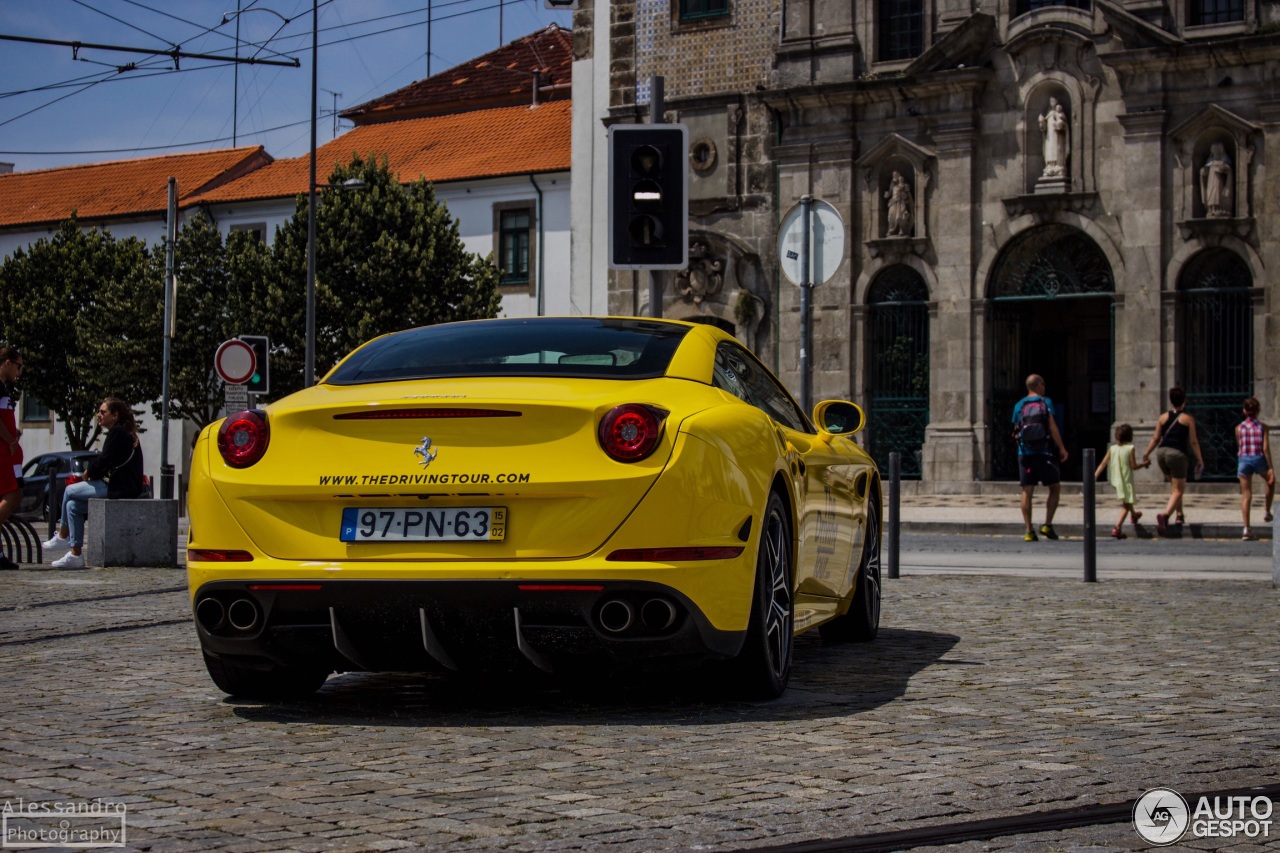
{"type": "Point", "coordinates": [764, 664]}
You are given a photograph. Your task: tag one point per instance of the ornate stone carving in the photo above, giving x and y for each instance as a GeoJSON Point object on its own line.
{"type": "Point", "coordinates": [703, 278]}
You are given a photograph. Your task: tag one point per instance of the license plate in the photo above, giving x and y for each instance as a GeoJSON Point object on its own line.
{"type": "Point", "coordinates": [452, 524]}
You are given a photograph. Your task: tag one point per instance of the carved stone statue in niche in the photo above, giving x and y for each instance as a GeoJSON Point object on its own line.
{"type": "Point", "coordinates": [901, 210]}
{"type": "Point", "coordinates": [1057, 140]}
{"type": "Point", "coordinates": [703, 278]}
{"type": "Point", "coordinates": [1215, 183]}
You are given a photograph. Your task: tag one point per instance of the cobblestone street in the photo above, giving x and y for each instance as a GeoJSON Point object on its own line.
{"type": "Point", "coordinates": [983, 697]}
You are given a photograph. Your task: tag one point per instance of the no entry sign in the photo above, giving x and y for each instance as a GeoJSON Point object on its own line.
{"type": "Point", "coordinates": [235, 362]}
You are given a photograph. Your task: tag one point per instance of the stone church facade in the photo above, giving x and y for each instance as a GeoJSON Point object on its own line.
{"type": "Point", "coordinates": [1077, 188]}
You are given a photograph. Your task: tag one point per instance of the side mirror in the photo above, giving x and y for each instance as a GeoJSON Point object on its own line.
{"type": "Point", "coordinates": [838, 417]}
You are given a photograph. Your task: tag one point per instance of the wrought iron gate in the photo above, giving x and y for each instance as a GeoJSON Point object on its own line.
{"type": "Point", "coordinates": [1216, 334]}
{"type": "Point", "coordinates": [898, 367]}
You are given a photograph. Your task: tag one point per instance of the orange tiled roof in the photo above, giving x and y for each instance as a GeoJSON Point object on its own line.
{"type": "Point", "coordinates": [501, 77]}
{"type": "Point", "coordinates": [120, 188]}
{"type": "Point", "coordinates": [481, 144]}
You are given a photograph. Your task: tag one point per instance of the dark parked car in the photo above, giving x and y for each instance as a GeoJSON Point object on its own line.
{"type": "Point", "coordinates": [35, 479]}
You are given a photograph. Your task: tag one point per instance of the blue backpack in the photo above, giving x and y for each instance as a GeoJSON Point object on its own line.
{"type": "Point", "coordinates": [1033, 426]}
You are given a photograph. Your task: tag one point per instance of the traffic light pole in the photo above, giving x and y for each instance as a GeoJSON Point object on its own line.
{"type": "Point", "coordinates": [657, 110]}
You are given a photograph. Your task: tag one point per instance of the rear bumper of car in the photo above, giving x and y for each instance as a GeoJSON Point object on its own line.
{"type": "Point", "coordinates": [426, 625]}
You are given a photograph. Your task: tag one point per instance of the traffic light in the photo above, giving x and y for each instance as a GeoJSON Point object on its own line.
{"type": "Point", "coordinates": [261, 381]}
{"type": "Point", "coordinates": [649, 196]}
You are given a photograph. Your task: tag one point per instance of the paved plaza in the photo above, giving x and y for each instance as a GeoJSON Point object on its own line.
{"type": "Point", "coordinates": [984, 697]}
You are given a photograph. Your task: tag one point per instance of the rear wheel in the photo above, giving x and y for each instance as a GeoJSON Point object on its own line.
{"type": "Point", "coordinates": [271, 682]}
{"type": "Point", "coordinates": [862, 622]}
{"type": "Point", "coordinates": [764, 664]}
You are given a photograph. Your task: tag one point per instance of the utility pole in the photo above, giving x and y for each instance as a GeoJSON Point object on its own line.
{"type": "Point", "coordinates": [235, 82]}
{"type": "Point", "coordinates": [170, 294]}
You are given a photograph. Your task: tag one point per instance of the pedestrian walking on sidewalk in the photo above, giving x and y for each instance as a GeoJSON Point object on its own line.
{"type": "Point", "coordinates": [1174, 443]}
{"type": "Point", "coordinates": [1253, 455]}
{"type": "Point", "coordinates": [1119, 463]}
{"type": "Point", "coordinates": [1040, 450]}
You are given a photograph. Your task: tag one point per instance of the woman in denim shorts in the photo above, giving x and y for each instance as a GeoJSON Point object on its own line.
{"type": "Point", "coordinates": [1253, 453]}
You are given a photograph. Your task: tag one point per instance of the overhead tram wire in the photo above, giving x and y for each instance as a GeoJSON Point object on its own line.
{"type": "Point", "coordinates": [83, 88]}
{"type": "Point", "coordinates": [118, 20]}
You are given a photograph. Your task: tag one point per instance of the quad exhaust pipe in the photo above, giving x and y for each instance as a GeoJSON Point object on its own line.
{"type": "Point", "coordinates": [243, 614]}
{"type": "Point", "coordinates": [619, 616]}
{"type": "Point", "coordinates": [657, 614]}
{"type": "Point", "coordinates": [616, 616]}
{"type": "Point", "coordinates": [211, 614]}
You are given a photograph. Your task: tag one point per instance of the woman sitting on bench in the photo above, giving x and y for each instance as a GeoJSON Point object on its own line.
{"type": "Point", "coordinates": [116, 473]}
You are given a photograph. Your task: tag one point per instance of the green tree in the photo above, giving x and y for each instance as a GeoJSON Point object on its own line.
{"type": "Point", "coordinates": [220, 295]}
{"type": "Point", "coordinates": [388, 257]}
{"type": "Point", "coordinates": [85, 309]}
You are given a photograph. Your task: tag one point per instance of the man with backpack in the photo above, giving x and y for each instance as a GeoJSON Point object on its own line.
{"type": "Point", "coordinates": [1035, 426]}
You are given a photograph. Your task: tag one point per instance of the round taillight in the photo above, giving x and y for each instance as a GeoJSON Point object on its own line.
{"type": "Point", "coordinates": [243, 438]}
{"type": "Point", "coordinates": [630, 433]}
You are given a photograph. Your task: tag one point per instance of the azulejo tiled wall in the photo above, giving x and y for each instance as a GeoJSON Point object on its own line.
{"type": "Point", "coordinates": [713, 56]}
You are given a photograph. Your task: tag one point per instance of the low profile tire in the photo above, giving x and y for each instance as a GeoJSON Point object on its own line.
{"type": "Point", "coordinates": [763, 667]}
{"type": "Point", "coordinates": [862, 622]}
{"type": "Point", "coordinates": [272, 683]}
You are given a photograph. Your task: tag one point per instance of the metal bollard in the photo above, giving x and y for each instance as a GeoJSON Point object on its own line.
{"type": "Point", "coordinates": [1275, 552]}
{"type": "Point", "coordinates": [57, 486]}
{"type": "Point", "coordinates": [1087, 493]}
{"type": "Point", "coordinates": [895, 506]}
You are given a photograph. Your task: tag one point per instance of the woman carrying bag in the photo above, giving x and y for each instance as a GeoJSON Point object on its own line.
{"type": "Point", "coordinates": [116, 473]}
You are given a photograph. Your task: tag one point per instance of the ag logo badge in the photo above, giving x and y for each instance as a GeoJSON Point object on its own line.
{"type": "Point", "coordinates": [1161, 816]}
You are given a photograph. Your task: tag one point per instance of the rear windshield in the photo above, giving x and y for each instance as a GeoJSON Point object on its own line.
{"type": "Point", "coordinates": [568, 347]}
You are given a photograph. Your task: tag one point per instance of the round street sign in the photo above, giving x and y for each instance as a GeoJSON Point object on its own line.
{"type": "Point", "coordinates": [826, 242]}
{"type": "Point", "coordinates": [235, 362]}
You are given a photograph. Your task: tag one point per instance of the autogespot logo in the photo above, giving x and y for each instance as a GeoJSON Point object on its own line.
{"type": "Point", "coordinates": [1161, 816]}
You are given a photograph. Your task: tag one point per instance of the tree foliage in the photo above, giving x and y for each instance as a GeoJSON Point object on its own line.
{"type": "Point", "coordinates": [85, 310]}
{"type": "Point", "coordinates": [388, 257]}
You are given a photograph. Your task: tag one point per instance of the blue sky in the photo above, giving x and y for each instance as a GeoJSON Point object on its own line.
{"type": "Point", "coordinates": [60, 106]}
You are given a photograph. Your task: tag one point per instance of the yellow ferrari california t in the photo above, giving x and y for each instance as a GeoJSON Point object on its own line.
{"type": "Point", "coordinates": [562, 493]}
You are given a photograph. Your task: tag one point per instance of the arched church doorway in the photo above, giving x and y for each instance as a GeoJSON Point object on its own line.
{"type": "Point", "coordinates": [898, 367]}
{"type": "Point", "coordinates": [1215, 335]}
{"type": "Point", "coordinates": [1051, 313]}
